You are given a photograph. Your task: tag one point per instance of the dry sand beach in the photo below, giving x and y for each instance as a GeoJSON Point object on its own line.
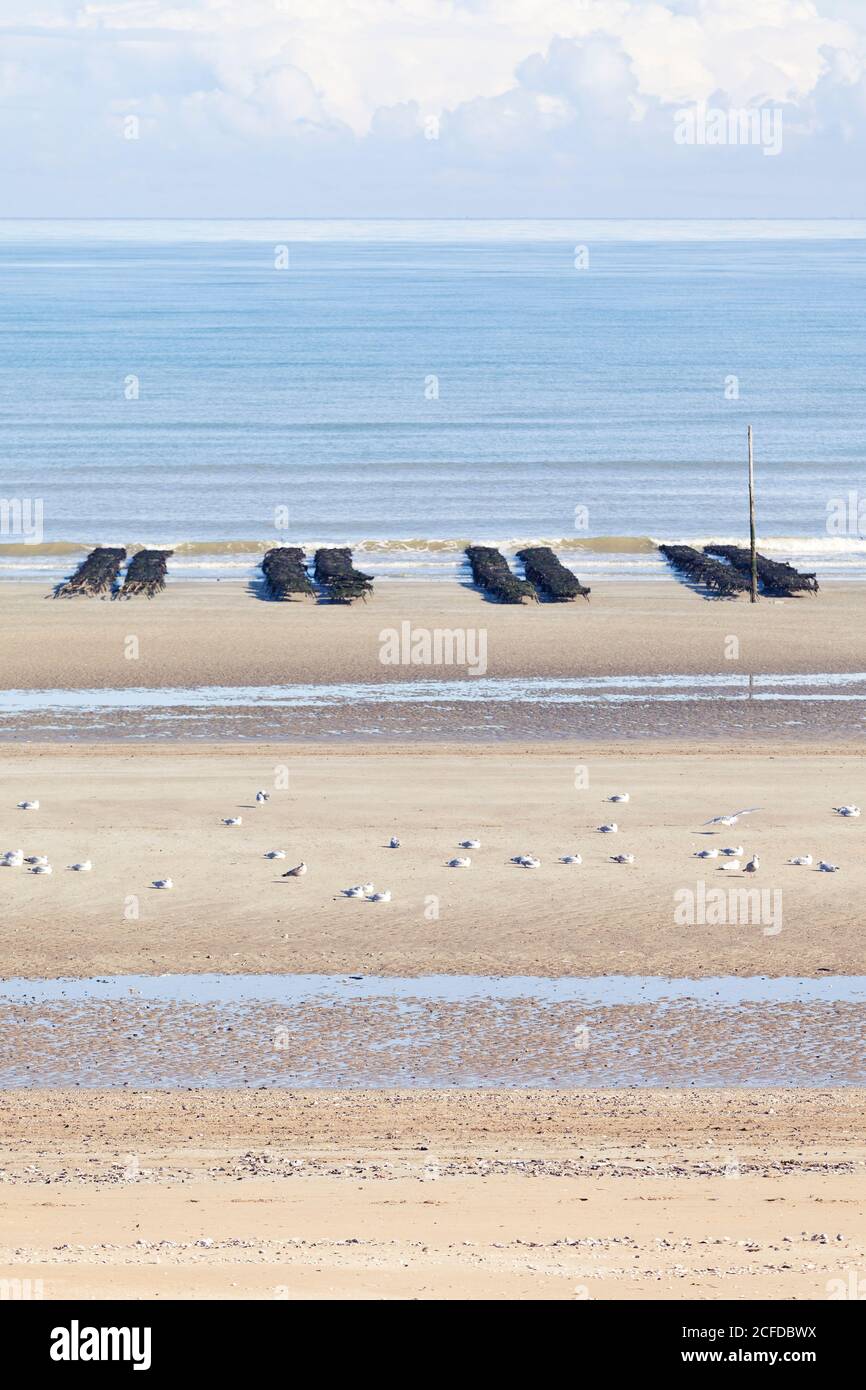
{"type": "Point", "coordinates": [518, 1195]}
{"type": "Point", "coordinates": [222, 634]}
{"type": "Point", "coordinates": [389, 1193]}
{"type": "Point", "coordinates": [153, 812]}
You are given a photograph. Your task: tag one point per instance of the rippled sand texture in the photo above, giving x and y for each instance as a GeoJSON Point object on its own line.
{"type": "Point", "coordinates": [632, 1195]}
{"type": "Point", "coordinates": [337, 1042]}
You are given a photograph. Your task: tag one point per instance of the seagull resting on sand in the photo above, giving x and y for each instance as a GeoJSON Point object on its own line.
{"type": "Point", "coordinates": [275, 854]}
{"type": "Point", "coordinates": [233, 820]}
{"type": "Point", "coordinates": [801, 859]}
{"type": "Point", "coordinates": [261, 798]}
{"type": "Point", "coordinates": [470, 844]}
{"type": "Point", "coordinates": [732, 852]}
{"type": "Point", "coordinates": [847, 810]}
{"type": "Point", "coordinates": [36, 859]}
{"type": "Point", "coordinates": [459, 863]}
{"type": "Point", "coordinates": [731, 866]}
{"type": "Point", "coordinates": [162, 883]}
{"type": "Point", "coordinates": [383, 897]}
{"type": "Point", "coordinates": [357, 892]}
{"type": "Point", "coordinates": [28, 806]}
{"type": "Point", "coordinates": [825, 867]}
{"type": "Point", "coordinates": [622, 859]}
{"type": "Point", "coordinates": [610, 829]}
{"type": "Point", "coordinates": [571, 859]}
{"type": "Point", "coordinates": [41, 869]}
{"type": "Point", "coordinates": [393, 843]}
{"type": "Point", "coordinates": [733, 817]}
{"type": "Point", "coordinates": [618, 796]}
{"type": "Point", "coordinates": [297, 871]}
{"type": "Point", "coordinates": [83, 868]}
{"type": "Point", "coordinates": [12, 859]}
{"type": "Point", "coordinates": [706, 854]}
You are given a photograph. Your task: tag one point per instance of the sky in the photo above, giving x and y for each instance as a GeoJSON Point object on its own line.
{"type": "Point", "coordinates": [432, 108]}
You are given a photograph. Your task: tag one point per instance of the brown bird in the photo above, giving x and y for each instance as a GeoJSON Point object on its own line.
{"type": "Point", "coordinates": [296, 871]}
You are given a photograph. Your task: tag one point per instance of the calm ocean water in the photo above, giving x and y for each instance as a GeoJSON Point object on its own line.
{"type": "Point", "coordinates": [167, 383]}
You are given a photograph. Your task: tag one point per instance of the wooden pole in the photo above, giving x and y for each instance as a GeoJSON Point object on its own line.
{"type": "Point", "coordinates": [753, 596]}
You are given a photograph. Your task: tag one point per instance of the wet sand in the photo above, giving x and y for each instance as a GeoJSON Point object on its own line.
{"type": "Point", "coordinates": [405, 1033]}
{"type": "Point", "coordinates": [578, 1196]}
{"type": "Point", "coordinates": [214, 633]}
{"type": "Point", "coordinates": [152, 813]}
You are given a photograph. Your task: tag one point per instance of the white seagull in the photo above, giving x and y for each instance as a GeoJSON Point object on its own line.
{"type": "Point", "coordinates": [523, 859]}
{"type": "Point", "coordinates": [733, 817]}
{"type": "Point", "coordinates": [801, 859]}
{"type": "Point", "coordinates": [12, 859]}
{"type": "Point", "coordinates": [619, 796]}
{"type": "Point", "coordinates": [731, 866]}
{"type": "Point", "coordinates": [383, 897]}
{"type": "Point", "coordinates": [36, 859]}
{"type": "Point", "coordinates": [83, 868]}
{"type": "Point", "coordinates": [847, 810]}
{"type": "Point", "coordinates": [297, 871]}
{"type": "Point", "coordinates": [275, 854]}
{"type": "Point", "coordinates": [827, 868]}
{"type": "Point", "coordinates": [233, 820]}
{"type": "Point", "coordinates": [706, 854]}
{"type": "Point", "coordinates": [529, 861]}
{"type": "Point", "coordinates": [28, 806]}
{"type": "Point", "coordinates": [753, 865]}
{"type": "Point", "coordinates": [610, 829]}
{"type": "Point", "coordinates": [356, 892]}
{"type": "Point", "coordinates": [261, 798]}
{"type": "Point", "coordinates": [393, 843]}
{"type": "Point", "coordinates": [162, 883]}
{"type": "Point", "coordinates": [571, 859]}
{"type": "Point", "coordinates": [732, 851]}
{"type": "Point", "coordinates": [470, 844]}
{"type": "Point", "coordinates": [622, 859]}
{"type": "Point", "coordinates": [459, 863]}
{"type": "Point", "coordinates": [41, 869]}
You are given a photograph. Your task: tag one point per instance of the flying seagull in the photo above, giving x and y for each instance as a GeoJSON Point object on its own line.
{"type": "Point", "coordinates": [733, 817]}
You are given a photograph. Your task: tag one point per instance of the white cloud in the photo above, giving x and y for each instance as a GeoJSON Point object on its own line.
{"type": "Point", "coordinates": [334, 94]}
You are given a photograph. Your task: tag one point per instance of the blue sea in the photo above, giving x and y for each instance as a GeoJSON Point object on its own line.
{"type": "Point", "coordinates": [408, 387]}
